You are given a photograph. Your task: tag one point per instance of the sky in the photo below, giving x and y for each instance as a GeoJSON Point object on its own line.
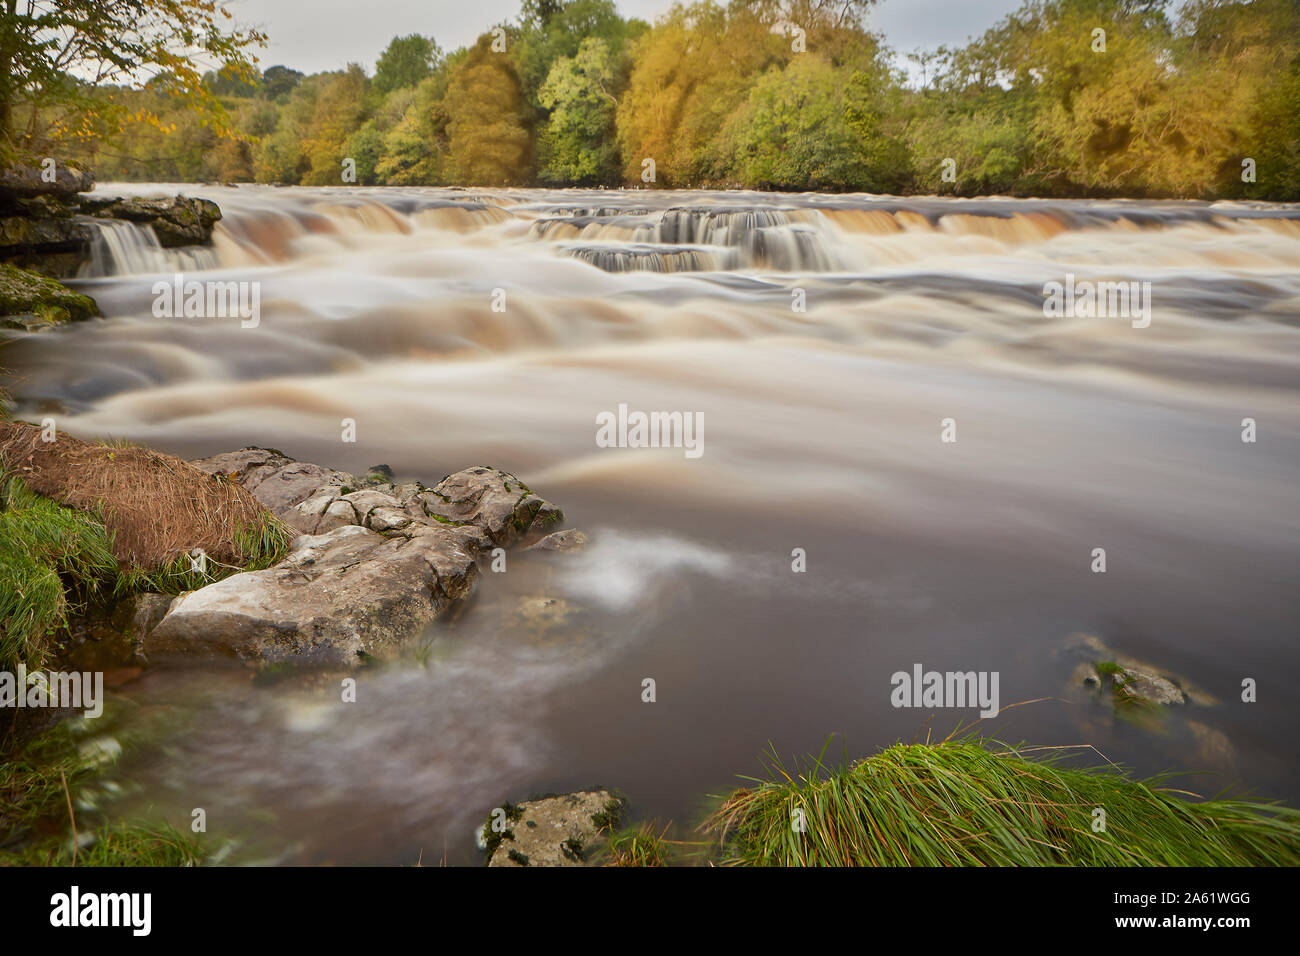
{"type": "Point", "coordinates": [316, 35]}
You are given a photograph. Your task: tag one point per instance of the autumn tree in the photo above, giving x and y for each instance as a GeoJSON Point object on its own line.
{"type": "Point", "coordinates": [489, 134]}
{"type": "Point", "coordinates": [55, 54]}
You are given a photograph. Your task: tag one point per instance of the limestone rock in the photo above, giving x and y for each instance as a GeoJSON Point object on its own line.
{"type": "Point", "coordinates": [336, 599]}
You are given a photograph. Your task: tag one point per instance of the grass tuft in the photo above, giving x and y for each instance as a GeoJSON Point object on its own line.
{"type": "Point", "coordinates": [641, 845]}
{"type": "Point", "coordinates": [972, 802]}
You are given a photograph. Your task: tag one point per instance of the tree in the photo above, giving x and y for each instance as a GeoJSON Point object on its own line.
{"type": "Point", "coordinates": [793, 131]}
{"type": "Point", "coordinates": [577, 145]}
{"type": "Point", "coordinates": [339, 112]}
{"type": "Point", "coordinates": [279, 81]}
{"type": "Point", "coordinates": [488, 121]}
{"type": "Point", "coordinates": [55, 53]}
{"type": "Point", "coordinates": [406, 62]}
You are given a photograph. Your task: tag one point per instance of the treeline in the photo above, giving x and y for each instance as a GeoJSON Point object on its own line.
{"type": "Point", "coordinates": [1063, 97]}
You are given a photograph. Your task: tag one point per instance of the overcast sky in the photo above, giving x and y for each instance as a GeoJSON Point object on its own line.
{"type": "Point", "coordinates": [316, 35]}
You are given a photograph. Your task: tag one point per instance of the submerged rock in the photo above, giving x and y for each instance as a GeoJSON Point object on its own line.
{"type": "Point", "coordinates": [571, 539]}
{"type": "Point", "coordinates": [563, 830]}
{"type": "Point", "coordinates": [375, 565]}
{"type": "Point", "coordinates": [1131, 680]}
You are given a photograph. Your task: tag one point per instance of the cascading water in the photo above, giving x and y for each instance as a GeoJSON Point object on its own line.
{"type": "Point", "coordinates": [126, 248]}
{"type": "Point", "coordinates": [825, 340]}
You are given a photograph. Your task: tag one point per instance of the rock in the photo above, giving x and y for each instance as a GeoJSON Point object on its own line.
{"type": "Point", "coordinates": [1130, 680]}
{"type": "Point", "coordinates": [563, 830]}
{"type": "Point", "coordinates": [335, 600]}
{"type": "Point", "coordinates": [571, 539]}
{"type": "Point", "coordinates": [370, 570]}
{"type": "Point", "coordinates": [278, 481]}
{"type": "Point", "coordinates": [28, 300]}
{"type": "Point", "coordinates": [176, 220]}
{"type": "Point", "coordinates": [498, 502]}
{"type": "Point", "coordinates": [23, 181]}
{"type": "Point", "coordinates": [48, 233]}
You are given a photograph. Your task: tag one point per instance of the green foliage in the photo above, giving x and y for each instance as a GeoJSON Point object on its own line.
{"type": "Point", "coordinates": [489, 134]}
{"type": "Point", "coordinates": [54, 558]}
{"type": "Point", "coordinates": [577, 145]}
{"type": "Point", "coordinates": [46, 44]}
{"type": "Point", "coordinates": [973, 802]}
{"type": "Point", "coordinates": [793, 132]}
{"type": "Point", "coordinates": [641, 845]}
{"type": "Point", "coordinates": [406, 62]}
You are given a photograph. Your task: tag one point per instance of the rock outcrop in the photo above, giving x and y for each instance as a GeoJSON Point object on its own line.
{"type": "Point", "coordinates": [175, 220]}
{"type": "Point", "coordinates": [376, 562]}
{"type": "Point", "coordinates": [48, 227]}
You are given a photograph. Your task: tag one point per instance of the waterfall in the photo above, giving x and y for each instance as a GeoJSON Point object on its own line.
{"type": "Point", "coordinates": [125, 248]}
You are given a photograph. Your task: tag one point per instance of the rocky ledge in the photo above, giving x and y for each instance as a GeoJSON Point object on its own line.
{"type": "Point", "coordinates": [47, 228]}
{"type": "Point", "coordinates": [376, 562]}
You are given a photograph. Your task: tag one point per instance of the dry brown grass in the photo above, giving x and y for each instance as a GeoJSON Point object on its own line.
{"type": "Point", "coordinates": [158, 508]}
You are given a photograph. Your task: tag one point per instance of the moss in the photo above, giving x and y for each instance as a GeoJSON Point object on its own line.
{"type": "Point", "coordinates": [610, 816]}
{"type": "Point", "coordinates": [23, 292]}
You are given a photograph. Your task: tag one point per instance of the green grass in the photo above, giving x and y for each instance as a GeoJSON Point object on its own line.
{"type": "Point", "coordinates": [641, 845]}
{"type": "Point", "coordinates": [44, 545]}
{"type": "Point", "coordinates": [973, 802]}
{"type": "Point", "coordinates": [40, 781]}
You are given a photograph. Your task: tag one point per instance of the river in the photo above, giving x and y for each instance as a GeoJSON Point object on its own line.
{"type": "Point", "coordinates": [461, 327]}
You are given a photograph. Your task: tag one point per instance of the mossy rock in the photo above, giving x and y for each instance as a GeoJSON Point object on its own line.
{"type": "Point", "coordinates": [29, 300]}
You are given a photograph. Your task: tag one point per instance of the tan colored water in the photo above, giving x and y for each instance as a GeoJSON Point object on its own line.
{"type": "Point", "coordinates": [822, 432]}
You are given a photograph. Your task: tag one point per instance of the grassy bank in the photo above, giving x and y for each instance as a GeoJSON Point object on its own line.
{"type": "Point", "coordinates": [83, 522]}
{"type": "Point", "coordinates": [974, 802]}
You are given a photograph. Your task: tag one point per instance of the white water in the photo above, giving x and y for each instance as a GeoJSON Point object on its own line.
{"type": "Point", "coordinates": [822, 432]}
